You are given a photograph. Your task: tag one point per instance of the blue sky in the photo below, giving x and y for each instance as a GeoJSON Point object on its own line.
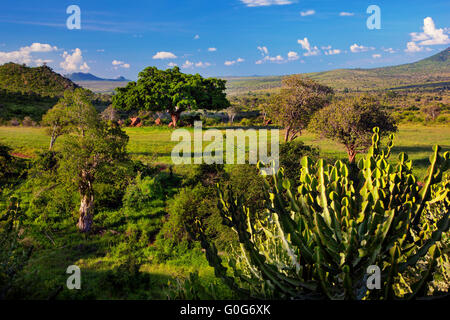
{"type": "Point", "coordinates": [220, 38]}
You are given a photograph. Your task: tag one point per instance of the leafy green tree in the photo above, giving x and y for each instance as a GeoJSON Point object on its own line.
{"type": "Point", "coordinates": [172, 91]}
{"type": "Point", "coordinates": [294, 106]}
{"type": "Point", "coordinates": [91, 151]}
{"type": "Point", "coordinates": [73, 112]}
{"type": "Point", "coordinates": [350, 121]}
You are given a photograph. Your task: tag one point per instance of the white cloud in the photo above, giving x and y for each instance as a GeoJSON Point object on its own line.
{"type": "Point", "coordinates": [172, 64]}
{"type": "Point", "coordinates": [413, 47]}
{"type": "Point", "coordinates": [307, 13]}
{"type": "Point", "coordinates": [331, 52]}
{"type": "Point", "coordinates": [292, 56]}
{"type": "Point", "coordinates": [164, 55]}
{"type": "Point", "coordinates": [264, 50]}
{"type": "Point", "coordinates": [265, 3]}
{"type": "Point", "coordinates": [24, 54]}
{"type": "Point", "coordinates": [376, 56]}
{"type": "Point", "coordinates": [39, 47]}
{"type": "Point", "coordinates": [212, 49]}
{"type": "Point", "coordinates": [187, 64]}
{"type": "Point", "coordinates": [389, 50]}
{"type": "Point", "coordinates": [233, 62]}
{"type": "Point", "coordinates": [360, 48]}
{"type": "Point", "coordinates": [120, 64]}
{"type": "Point", "coordinates": [202, 64]}
{"type": "Point", "coordinates": [196, 37]}
{"type": "Point", "coordinates": [40, 62]}
{"type": "Point", "coordinates": [430, 35]}
{"type": "Point", "coordinates": [277, 59]}
{"type": "Point", "coordinates": [311, 51]}
{"type": "Point", "coordinates": [346, 14]}
{"type": "Point", "coordinates": [74, 62]}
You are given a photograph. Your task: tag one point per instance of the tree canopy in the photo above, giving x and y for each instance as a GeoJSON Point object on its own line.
{"type": "Point", "coordinates": [171, 91]}
{"type": "Point", "coordinates": [73, 112]}
{"type": "Point", "coordinates": [351, 120]}
{"type": "Point", "coordinates": [298, 100]}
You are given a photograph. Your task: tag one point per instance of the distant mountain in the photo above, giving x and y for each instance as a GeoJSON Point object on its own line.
{"type": "Point", "coordinates": [434, 70]}
{"type": "Point", "coordinates": [42, 80]}
{"type": "Point", "coordinates": [79, 76]}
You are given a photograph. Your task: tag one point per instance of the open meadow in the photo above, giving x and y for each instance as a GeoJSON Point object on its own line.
{"type": "Point", "coordinates": [153, 145]}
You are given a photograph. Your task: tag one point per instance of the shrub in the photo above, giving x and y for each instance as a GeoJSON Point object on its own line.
{"type": "Point", "coordinates": [291, 154]}
{"type": "Point", "coordinates": [142, 192]}
{"type": "Point", "coordinates": [28, 122]}
{"type": "Point", "coordinates": [245, 122]}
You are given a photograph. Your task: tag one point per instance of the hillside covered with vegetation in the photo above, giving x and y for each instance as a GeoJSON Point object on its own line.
{"type": "Point", "coordinates": [432, 71]}
{"type": "Point", "coordinates": [42, 80]}
{"type": "Point", "coordinates": [27, 92]}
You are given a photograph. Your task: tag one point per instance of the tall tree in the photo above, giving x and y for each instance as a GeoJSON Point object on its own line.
{"type": "Point", "coordinates": [91, 151]}
{"type": "Point", "coordinates": [351, 120]}
{"type": "Point", "coordinates": [73, 112]}
{"type": "Point", "coordinates": [89, 157]}
{"type": "Point", "coordinates": [171, 91]}
{"type": "Point", "coordinates": [298, 100]}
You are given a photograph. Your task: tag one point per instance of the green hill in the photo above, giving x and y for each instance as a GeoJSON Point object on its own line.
{"type": "Point", "coordinates": [432, 71]}
{"type": "Point", "coordinates": [42, 80]}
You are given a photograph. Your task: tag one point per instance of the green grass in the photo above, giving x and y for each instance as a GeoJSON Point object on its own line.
{"type": "Point", "coordinates": [154, 145]}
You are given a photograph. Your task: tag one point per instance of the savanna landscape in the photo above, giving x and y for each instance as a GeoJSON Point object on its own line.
{"type": "Point", "coordinates": [88, 179]}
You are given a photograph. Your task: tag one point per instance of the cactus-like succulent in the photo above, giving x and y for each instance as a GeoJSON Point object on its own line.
{"type": "Point", "coordinates": [319, 240]}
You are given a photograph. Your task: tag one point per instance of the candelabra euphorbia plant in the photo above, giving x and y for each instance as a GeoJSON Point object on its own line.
{"type": "Point", "coordinates": [326, 237]}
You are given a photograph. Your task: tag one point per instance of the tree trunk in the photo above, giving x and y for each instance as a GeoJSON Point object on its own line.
{"type": "Point", "coordinates": [351, 154]}
{"type": "Point", "coordinates": [175, 118]}
{"type": "Point", "coordinates": [86, 213]}
{"type": "Point", "coordinates": [286, 135]}
{"type": "Point", "coordinates": [52, 142]}
{"type": "Point", "coordinates": [52, 139]}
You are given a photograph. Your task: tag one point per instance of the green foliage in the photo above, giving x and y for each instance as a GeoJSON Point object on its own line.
{"type": "Point", "coordinates": [192, 288]}
{"type": "Point", "coordinates": [318, 241]}
{"type": "Point", "coordinates": [294, 106]}
{"type": "Point", "coordinates": [14, 255]}
{"type": "Point", "coordinates": [40, 80]}
{"type": "Point", "coordinates": [171, 91]}
{"type": "Point", "coordinates": [290, 155]}
{"type": "Point", "coordinates": [350, 121]}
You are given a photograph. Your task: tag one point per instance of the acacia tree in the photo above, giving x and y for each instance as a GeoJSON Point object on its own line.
{"type": "Point", "coordinates": [73, 112]}
{"type": "Point", "coordinates": [294, 106]}
{"type": "Point", "coordinates": [432, 111]}
{"type": "Point", "coordinates": [92, 150]}
{"type": "Point", "coordinates": [89, 157]}
{"type": "Point", "coordinates": [233, 110]}
{"type": "Point", "coordinates": [171, 91]}
{"type": "Point", "coordinates": [350, 121]}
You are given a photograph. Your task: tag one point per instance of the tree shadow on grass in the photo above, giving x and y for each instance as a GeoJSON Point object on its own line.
{"type": "Point", "coordinates": [103, 277]}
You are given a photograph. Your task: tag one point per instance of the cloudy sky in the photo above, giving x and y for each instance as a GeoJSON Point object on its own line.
{"type": "Point", "coordinates": [220, 37]}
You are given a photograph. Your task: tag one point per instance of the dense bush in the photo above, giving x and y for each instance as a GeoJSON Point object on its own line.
{"type": "Point", "coordinates": [290, 155]}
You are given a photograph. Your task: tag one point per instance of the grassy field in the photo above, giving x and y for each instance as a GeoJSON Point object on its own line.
{"type": "Point", "coordinates": [154, 145]}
